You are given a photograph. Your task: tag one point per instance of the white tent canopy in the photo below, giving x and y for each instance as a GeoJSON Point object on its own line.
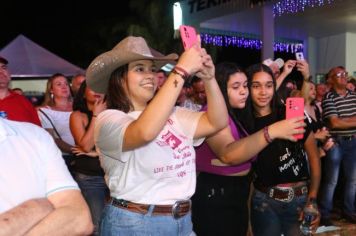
{"type": "Point", "coordinates": [28, 59]}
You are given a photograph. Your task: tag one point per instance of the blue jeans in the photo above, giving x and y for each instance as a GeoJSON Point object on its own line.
{"type": "Point", "coordinates": [343, 154]}
{"type": "Point", "coordinates": [121, 222]}
{"type": "Point", "coordinates": [94, 191]}
{"type": "Point", "coordinates": [271, 217]}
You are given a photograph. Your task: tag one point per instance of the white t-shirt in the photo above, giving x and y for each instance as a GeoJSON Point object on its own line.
{"type": "Point", "coordinates": [60, 120]}
{"type": "Point", "coordinates": [31, 165]}
{"type": "Point", "coordinates": [160, 172]}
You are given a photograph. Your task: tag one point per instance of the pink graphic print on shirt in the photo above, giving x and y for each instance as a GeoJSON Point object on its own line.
{"type": "Point", "coordinates": [172, 140]}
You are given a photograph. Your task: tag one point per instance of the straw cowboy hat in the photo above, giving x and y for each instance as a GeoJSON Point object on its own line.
{"type": "Point", "coordinates": [128, 50]}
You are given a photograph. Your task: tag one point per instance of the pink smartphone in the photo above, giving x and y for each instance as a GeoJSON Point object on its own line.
{"type": "Point", "coordinates": [188, 35]}
{"type": "Point", "coordinates": [295, 108]}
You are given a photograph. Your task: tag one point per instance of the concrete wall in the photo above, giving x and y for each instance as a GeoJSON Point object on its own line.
{"type": "Point", "coordinates": [351, 53]}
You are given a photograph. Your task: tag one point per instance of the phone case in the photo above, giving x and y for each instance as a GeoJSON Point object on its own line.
{"type": "Point", "coordinates": [188, 35]}
{"type": "Point", "coordinates": [295, 108]}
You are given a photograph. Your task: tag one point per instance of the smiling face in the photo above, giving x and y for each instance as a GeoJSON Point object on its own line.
{"type": "Point", "coordinates": [141, 83]}
{"type": "Point", "coordinates": [262, 91]}
{"type": "Point", "coordinates": [237, 90]}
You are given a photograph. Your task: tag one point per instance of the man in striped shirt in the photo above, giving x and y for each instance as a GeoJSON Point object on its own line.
{"type": "Point", "coordinates": [339, 112]}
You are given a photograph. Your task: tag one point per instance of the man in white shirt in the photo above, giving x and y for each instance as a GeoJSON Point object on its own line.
{"type": "Point", "coordinates": [37, 194]}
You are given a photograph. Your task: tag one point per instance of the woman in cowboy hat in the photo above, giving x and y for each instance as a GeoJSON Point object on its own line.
{"type": "Point", "coordinates": [145, 142]}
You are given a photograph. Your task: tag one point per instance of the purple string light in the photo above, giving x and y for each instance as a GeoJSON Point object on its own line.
{"type": "Point", "coordinates": [294, 6]}
{"type": "Point", "coordinates": [242, 42]}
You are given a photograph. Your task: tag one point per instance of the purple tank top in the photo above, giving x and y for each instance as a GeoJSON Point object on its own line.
{"type": "Point", "coordinates": [204, 156]}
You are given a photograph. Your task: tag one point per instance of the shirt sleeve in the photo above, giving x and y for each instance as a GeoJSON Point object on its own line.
{"type": "Point", "coordinates": [109, 131]}
{"type": "Point", "coordinates": [189, 122]}
{"type": "Point", "coordinates": [58, 177]}
{"type": "Point", "coordinates": [329, 108]}
{"type": "Point", "coordinates": [34, 119]}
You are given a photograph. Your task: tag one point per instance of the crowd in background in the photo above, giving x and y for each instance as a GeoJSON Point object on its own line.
{"type": "Point", "coordinates": [253, 144]}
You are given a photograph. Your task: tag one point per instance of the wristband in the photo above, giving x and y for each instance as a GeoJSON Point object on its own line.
{"type": "Point", "coordinates": [180, 69]}
{"type": "Point", "coordinates": [266, 135]}
{"type": "Point", "coordinates": [174, 71]}
{"type": "Point", "coordinates": [94, 115]}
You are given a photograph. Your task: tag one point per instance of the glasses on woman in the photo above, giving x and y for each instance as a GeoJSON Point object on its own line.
{"type": "Point", "coordinates": [342, 74]}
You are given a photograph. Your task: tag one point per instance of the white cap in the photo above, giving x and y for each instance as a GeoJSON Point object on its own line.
{"type": "Point", "coordinates": [278, 61]}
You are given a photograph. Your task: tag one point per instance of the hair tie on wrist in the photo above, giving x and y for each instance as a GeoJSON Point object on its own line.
{"type": "Point", "coordinates": [266, 135]}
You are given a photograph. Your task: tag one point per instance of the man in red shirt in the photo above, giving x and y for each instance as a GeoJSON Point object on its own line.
{"type": "Point", "coordinates": [16, 106]}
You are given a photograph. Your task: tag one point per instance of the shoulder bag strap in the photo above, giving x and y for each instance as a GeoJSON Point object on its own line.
{"type": "Point", "coordinates": [54, 128]}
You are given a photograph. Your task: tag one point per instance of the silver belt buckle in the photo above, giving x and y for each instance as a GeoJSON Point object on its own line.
{"type": "Point", "coordinates": [176, 208]}
{"type": "Point", "coordinates": [290, 196]}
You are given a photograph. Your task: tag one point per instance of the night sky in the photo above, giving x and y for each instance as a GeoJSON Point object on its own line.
{"type": "Point", "coordinates": [72, 30]}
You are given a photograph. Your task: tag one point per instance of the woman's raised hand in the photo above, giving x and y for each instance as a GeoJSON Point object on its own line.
{"type": "Point", "coordinates": [285, 129]}
{"type": "Point", "coordinates": [99, 106]}
{"type": "Point", "coordinates": [208, 69]}
{"type": "Point", "coordinates": [192, 59]}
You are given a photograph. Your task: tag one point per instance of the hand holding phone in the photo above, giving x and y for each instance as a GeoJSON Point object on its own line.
{"type": "Point", "coordinates": [295, 108]}
{"type": "Point", "coordinates": [188, 35]}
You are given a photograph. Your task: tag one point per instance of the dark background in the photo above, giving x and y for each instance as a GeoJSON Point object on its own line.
{"type": "Point", "coordinates": [78, 31]}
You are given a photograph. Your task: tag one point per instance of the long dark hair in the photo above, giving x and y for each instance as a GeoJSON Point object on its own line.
{"type": "Point", "coordinates": [116, 97]}
{"type": "Point", "coordinates": [247, 118]}
{"type": "Point", "coordinates": [80, 102]}
{"type": "Point", "coordinates": [223, 71]}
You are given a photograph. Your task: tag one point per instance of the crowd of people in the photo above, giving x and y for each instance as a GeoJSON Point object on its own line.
{"type": "Point", "coordinates": [128, 149]}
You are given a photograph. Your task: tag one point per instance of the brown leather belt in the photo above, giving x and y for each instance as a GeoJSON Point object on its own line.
{"type": "Point", "coordinates": [177, 210]}
{"type": "Point", "coordinates": [284, 194]}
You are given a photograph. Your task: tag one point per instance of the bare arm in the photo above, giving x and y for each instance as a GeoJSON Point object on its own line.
{"type": "Point", "coordinates": [70, 217]}
{"type": "Point", "coordinates": [341, 123]}
{"type": "Point", "coordinates": [84, 138]}
{"type": "Point", "coordinates": [63, 146]}
{"type": "Point", "coordinates": [138, 133]}
{"type": "Point", "coordinates": [216, 116]}
{"type": "Point", "coordinates": [236, 152]}
{"type": "Point", "coordinates": [314, 163]}
{"type": "Point", "coordinates": [23, 217]}
{"type": "Point", "coordinates": [287, 69]}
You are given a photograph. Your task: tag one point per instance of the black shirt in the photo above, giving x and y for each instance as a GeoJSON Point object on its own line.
{"type": "Point", "coordinates": [282, 161]}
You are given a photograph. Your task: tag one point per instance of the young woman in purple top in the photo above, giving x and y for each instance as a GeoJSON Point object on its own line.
{"type": "Point", "coordinates": [224, 161]}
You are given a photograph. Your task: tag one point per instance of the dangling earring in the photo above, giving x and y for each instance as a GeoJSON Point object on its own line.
{"type": "Point", "coordinates": [52, 96]}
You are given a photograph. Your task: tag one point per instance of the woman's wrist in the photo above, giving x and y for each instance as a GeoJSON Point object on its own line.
{"type": "Point", "coordinates": [179, 70]}
{"type": "Point", "coordinates": [266, 135]}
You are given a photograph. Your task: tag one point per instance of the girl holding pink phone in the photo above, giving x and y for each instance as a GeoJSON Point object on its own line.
{"type": "Point", "coordinates": [286, 174]}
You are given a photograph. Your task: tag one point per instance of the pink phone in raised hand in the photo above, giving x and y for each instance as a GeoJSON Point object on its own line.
{"type": "Point", "coordinates": [188, 36]}
{"type": "Point", "coordinates": [295, 108]}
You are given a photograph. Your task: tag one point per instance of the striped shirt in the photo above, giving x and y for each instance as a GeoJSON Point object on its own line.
{"type": "Point", "coordinates": [342, 107]}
